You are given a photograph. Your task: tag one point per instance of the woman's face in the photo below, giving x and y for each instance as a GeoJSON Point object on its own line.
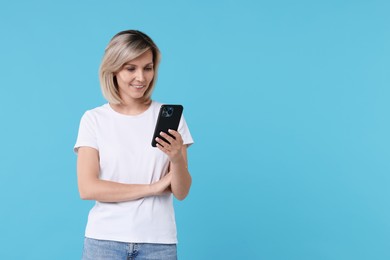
{"type": "Point", "coordinates": [135, 76]}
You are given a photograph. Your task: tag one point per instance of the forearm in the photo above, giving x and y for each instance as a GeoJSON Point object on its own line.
{"type": "Point", "coordinates": [108, 191]}
{"type": "Point", "coordinates": [181, 179]}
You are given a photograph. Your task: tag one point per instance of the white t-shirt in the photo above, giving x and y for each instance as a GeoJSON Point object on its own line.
{"type": "Point", "coordinates": [126, 156]}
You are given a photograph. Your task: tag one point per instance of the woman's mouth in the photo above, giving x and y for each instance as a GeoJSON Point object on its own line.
{"type": "Point", "coordinates": [138, 86]}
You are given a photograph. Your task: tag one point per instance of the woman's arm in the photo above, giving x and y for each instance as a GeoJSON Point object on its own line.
{"type": "Point", "coordinates": [177, 152]}
{"type": "Point", "coordinates": [181, 178]}
{"type": "Point", "coordinates": [92, 188]}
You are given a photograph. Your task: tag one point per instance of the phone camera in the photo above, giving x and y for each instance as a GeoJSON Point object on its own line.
{"type": "Point", "coordinates": [167, 111]}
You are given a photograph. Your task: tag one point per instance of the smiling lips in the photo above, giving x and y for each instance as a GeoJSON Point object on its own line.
{"type": "Point", "coordinates": [138, 86]}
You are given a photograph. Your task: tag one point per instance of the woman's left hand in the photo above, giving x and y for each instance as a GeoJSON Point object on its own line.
{"type": "Point", "coordinates": [174, 149]}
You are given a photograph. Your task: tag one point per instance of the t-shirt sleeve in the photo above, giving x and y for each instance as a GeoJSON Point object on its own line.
{"type": "Point", "coordinates": [185, 132]}
{"type": "Point", "coordinates": [87, 133]}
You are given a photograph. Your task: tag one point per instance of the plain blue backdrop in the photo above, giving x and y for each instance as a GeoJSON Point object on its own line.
{"type": "Point", "coordinates": [288, 103]}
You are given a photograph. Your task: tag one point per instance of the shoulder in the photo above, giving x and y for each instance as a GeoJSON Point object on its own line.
{"type": "Point", "coordinates": [96, 113]}
{"type": "Point", "coordinates": [103, 109]}
{"type": "Point", "coordinates": [156, 104]}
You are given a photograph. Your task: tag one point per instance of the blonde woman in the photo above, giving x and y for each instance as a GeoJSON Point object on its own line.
{"type": "Point", "coordinates": [132, 182]}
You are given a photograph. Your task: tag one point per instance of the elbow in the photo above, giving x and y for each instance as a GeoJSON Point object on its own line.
{"type": "Point", "coordinates": [87, 190]}
{"type": "Point", "coordinates": [84, 197]}
{"type": "Point", "coordinates": [85, 194]}
{"type": "Point", "coordinates": [181, 196]}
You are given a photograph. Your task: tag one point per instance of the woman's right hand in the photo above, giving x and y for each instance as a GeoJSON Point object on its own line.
{"type": "Point", "coordinates": [163, 186]}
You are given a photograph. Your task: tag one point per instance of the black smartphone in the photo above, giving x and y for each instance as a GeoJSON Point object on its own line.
{"type": "Point", "coordinates": [168, 118]}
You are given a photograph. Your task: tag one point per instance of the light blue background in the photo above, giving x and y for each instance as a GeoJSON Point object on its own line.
{"type": "Point", "coordinates": [288, 102]}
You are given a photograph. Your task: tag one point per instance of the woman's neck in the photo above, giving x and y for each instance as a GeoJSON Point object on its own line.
{"type": "Point", "coordinates": [131, 108]}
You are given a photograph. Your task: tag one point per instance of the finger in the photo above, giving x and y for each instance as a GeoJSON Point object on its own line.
{"type": "Point", "coordinates": [168, 174]}
{"type": "Point", "coordinates": [177, 135]}
{"type": "Point", "coordinates": [162, 148]}
{"type": "Point", "coordinates": [169, 138]}
{"type": "Point", "coordinates": [162, 142]}
{"type": "Point", "coordinates": [174, 133]}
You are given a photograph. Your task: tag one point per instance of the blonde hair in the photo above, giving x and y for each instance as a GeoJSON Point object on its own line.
{"type": "Point", "coordinates": [124, 47]}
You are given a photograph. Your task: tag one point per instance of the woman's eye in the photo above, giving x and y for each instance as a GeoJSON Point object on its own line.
{"type": "Point", "coordinates": [131, 69]}
{"type": "Point", "coordinates": [149, 69]}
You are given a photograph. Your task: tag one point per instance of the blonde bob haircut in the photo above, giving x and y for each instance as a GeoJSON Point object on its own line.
{"type": "Point", "coordinates": [124, 47]}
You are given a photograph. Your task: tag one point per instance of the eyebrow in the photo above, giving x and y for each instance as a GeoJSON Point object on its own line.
{"type": "Point", "coordinates": [151, 63]}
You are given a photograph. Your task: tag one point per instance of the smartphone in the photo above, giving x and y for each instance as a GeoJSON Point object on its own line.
{"type": "Point", "coordinates": [168, 118]}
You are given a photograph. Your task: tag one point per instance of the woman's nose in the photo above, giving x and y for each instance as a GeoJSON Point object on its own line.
{"type": "Point", "coordinates": [140, 75]}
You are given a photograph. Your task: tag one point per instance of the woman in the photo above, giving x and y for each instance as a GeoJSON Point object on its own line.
{"type": "Point", "coordinates": [131, 181]}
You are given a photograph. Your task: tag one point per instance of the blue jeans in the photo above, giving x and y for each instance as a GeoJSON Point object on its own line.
{"type": "Point", "coordinates": [111, 250]}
